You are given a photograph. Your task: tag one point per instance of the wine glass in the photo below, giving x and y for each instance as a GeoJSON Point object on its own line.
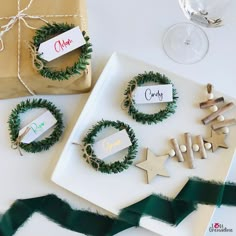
{"type": "Point", "coordinates": [187, 43]}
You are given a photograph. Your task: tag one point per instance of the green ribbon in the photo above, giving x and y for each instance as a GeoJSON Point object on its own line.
{"type": "Point", "coordinates": [171, 211]}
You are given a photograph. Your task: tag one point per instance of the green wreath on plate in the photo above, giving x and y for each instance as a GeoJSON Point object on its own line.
{"type": "Point", "coordinates": [14, 125]}
{"type": "Point", "coordinates": [50, 30]}
{"type": "Point", "coordinates": [100, 165]}
{"type": "Point", "coordinates": [129, 103]}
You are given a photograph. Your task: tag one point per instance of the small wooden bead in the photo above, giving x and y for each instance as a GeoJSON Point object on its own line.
{"type": "Point", "coordinates": [172, 153]}
{"type": "Point", "coordinates": [220, 118]}
{"type": "Point", "coordinates": [210, 96]}
{"type": "Point", "coordinates": [183, 148]}
{"type": "Point", "coordinates": [225, 130]}
{"type": "Point", "coordinates": [207, 146]}
{"type": "Point", "coordinates": [195, 148]}
{"type": "Point", "coordinates": [214, 108]}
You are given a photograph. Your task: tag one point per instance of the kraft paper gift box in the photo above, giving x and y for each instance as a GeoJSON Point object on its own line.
{"type": "Point", "coordinates": [16, 48]}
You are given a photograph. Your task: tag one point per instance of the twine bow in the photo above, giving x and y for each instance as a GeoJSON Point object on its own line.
{"type": "Point", "coordinates": [89, 158]}
{"type": "Point", "coordinates": [87, 155]}
{"type": "Point", "coordinates": [34, 54]}
{"type": "Point", "coordinates": [16, 144]}
{"type": "Point", "coordinates": [129, 97]}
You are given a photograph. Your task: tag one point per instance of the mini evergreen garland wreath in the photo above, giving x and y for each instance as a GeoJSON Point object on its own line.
{"type": "Point", "coordinates": [129, 103]}
{"type": "Point", "coordinates": [46, 32]}
{"type": "Point", "coordinates": [100, 165]}
{"type": "Point", "coordinates": [14, 126]}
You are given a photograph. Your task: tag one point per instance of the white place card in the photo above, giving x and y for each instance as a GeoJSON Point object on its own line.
{"type": "Point", "coordinates": [112, 144]}
{"type": "Point", "coordinates": [61, 44]}
{"type": "Point", "coordinates": [38, 126]}
{"type": "Point", "coordinates": [153, 94]}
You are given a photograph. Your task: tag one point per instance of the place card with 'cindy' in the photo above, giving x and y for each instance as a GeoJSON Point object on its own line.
{"type": "Point", "coordinates": [112, 144]}
{"type": "Point", "coordinates": [61, 44]}
{"type": "Point", "coordinates": [153, 94]}
{"type": "Point", "coordinates": [37, 127]}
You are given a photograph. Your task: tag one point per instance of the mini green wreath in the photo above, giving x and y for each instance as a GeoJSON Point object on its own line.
{"type": "Point", "coordinates": [129, 103]}
{"type": "Point", "coordinates": [100, 165]}
{"type": "Point", "coordinates": [14, 126]}
{"type": "Point", "coordinates": [46, 32]}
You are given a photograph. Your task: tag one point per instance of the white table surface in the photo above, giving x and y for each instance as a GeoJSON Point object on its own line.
{"type": "Point", "coordinates": [134, 28]}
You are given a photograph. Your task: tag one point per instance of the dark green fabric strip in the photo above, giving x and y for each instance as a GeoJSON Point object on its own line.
{"type": "Point", "coordinates": [171, 211]}
{"type": "Point", "coordinates": [76, 220]}
{"type": "Point", "coordinates": [181, 209]}
{"type": "Point", "coordinates": [200, 191]}
{"type": "Point", "coordinates": [229, 197]}
{"type": "Point", "coordinates": [167, 210]}
{"type": "Point", "coordinates": [14, 218]}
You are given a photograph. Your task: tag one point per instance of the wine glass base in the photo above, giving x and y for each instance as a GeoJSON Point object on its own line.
{"type": "Point", "coordinates": [185, 43]}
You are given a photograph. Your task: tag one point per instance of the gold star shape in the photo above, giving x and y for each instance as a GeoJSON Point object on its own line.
{"type": "Point", "coordinates": [154, 165]}
{"type": "Point", "coordinates": [217, 140]}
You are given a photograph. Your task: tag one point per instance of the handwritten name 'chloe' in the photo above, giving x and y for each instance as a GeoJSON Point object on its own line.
{"type": "Point", "coordinates": [109, 146]}
{"type": "Point", "coordinates": [149, 95]}
{"type": "Point", "coordinates": [60, 45]}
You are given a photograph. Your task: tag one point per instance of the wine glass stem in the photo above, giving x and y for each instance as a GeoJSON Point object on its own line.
{"type": "Point", "coordinates": [187, 40]}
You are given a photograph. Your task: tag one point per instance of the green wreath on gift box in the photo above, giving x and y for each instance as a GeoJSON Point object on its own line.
{"type": "Point", "coordinates": [129, 103]}
{"type": "Point", "coordinates": [100, 165]}
{"type": "Point", "coordinates": [14, 126]}
{"type": "Point", "coordinates": [50, 30]}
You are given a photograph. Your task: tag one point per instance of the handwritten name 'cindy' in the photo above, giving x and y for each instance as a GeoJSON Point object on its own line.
{"type": "Point", "coordinates": [149, 95]}
{"type": "Point", "coordinates": [60, 45]}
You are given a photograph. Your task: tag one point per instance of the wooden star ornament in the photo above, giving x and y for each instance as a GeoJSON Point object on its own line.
{"type": "Point", "coordinates": [217, 140]}
{"type": "Point", "coordinates": [154, 165]}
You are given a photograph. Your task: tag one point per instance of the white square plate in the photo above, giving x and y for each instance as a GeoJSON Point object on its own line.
{"type": "Point", "coordinates": [116, 191]}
